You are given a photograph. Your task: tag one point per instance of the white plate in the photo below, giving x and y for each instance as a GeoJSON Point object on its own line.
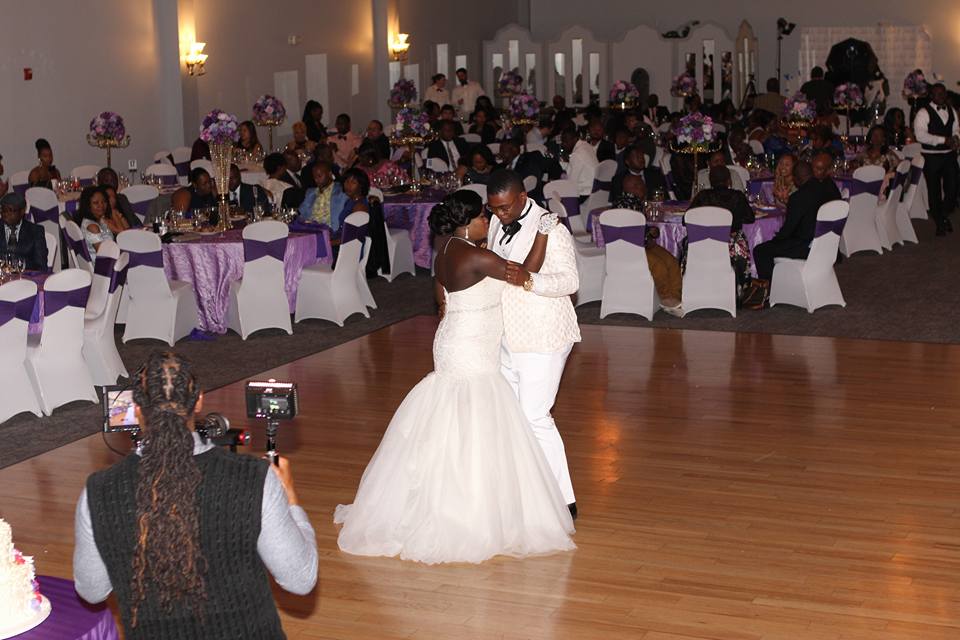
{"type": "Point", "coordinates": [23, 627]}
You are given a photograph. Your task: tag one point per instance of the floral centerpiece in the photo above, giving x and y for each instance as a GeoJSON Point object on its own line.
{"type": "Point", "coordinates": [623, 95]}
{"type": "Point", "coordinates": [847, 96]}
{"type": "Point", "coordinates": [915, 85]}
{"type": "Point", "coordinates": [799, 111]}
{"type": "Point", "coordinates": [411, 129]}
{"type": "Point", "coordinates": [511, 84]}
{"type": "Point", "coordinates": [524, 109]}
{"type": "Point", "coordinates": [694, 133]}
{"type": "Point", "coordinates": [269, 112]}
{"type": "Point", "coordinates": [684, 85]}
{"type": "Point", "coordinates": [220, 130]}
{"type": "Point", "coordinates": [403, 93]}
{"type": "Point", "coordinates": [107, 131]}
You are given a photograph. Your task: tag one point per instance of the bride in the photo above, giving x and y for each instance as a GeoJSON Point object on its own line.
{"type": "Point", "coordinates": [459, 475]}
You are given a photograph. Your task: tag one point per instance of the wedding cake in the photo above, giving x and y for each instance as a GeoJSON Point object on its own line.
{"type": "Point", "coordinates": [21, 604]}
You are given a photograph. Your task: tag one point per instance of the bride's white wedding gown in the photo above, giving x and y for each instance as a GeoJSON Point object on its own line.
{"type": "Point", "coordinates": [459, 475]}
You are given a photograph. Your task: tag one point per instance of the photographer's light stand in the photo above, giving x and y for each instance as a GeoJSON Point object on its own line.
{"type": "Point", "coordinates": [272, 427]}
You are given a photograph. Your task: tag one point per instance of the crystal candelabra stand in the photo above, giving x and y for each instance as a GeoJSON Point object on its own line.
{"type": "Point", "coordinates": [221, 154]}
{"type": "Point", "coordinates": [411, 142]}
{"type": "Point", "coordinates": [108, 143]}
{"type": "Point", "coordinates": [270, 123]}
{"type": "Point", "coordinates": [695, 150]}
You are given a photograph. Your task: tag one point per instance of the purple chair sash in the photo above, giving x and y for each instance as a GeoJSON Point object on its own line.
{"type": "Point", "coordinates": [829, 226]}
{"type": "Point", "coordinates": [168, 180]}
{"type": "Point", "coordinates": [39, 215]}
{"type": "Point", "coordinates": [915, 174]}
{"type": "Point", "coordinates": [634, 235]}
{"type": "Point", "coordinates": [700, 232]}
{"type": "Point", "coordinates": [353, 232]}
{"type": "Point", "coordinates": [117, 279]}
{"type": "Point", "coordinates": [79, 247]}
{"type": "Point", "coordinates": [86, 182]}
{"type": "Point", "coordinates": [901, 180]}
{"type": "Point", "coordinates": [572, 205]}
{"type": "Point", "coordinates": [602, 185]}
{"type": "Point", "coordinates": [858, 187]}
{"type": "Point", "coordinates": [148, 259]}
{"type": "Point", "coordinates": [103, 266]}
{"type": "Point", "coordinates": [141, 208]}
{"type": "Point", "coordinates": [54, 301]}
{"type": "Point", "coordinates": [21, 189]}
{"type": "Point", "coordinates": [19, 309]}
{"type": "Point", "coordinates": [183, 168]}
{"type": "Point", "coordinates": [256, 249]}
{"type": "Point", "coordinates": [588, 223]}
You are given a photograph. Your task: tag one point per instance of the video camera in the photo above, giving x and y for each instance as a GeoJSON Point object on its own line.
{"type": "Point", "coordinates": [274, 401]}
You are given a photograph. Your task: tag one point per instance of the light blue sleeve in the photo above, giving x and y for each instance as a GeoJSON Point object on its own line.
{"type": "Point", "coordinates": [287, 543]}
{"type": "Point", "coordinates": [306, 207]}
{"type": "Point", "coordinates": [89, 573]}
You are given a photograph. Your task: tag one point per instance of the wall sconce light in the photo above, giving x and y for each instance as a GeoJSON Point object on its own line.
{"type": "Point", "coordinates": [399, 47]}
{"type": "Point", "coordinates": [195, 59]}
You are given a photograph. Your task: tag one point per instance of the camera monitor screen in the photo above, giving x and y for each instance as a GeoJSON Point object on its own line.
{"type": "Point", "coordinates": [118, 409]}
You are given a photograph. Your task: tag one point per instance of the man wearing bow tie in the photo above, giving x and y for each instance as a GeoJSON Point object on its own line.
{"type": "Point", "coordinates": [937, 130]}
{"type": "Point", "coordinates": [465, 94]}
{"type": "Point", "coordinates": [344, 143]}
{"type": "Point", "coordinates": [539, 323]}
{"type": "Point", "coordinates": [20, 236]}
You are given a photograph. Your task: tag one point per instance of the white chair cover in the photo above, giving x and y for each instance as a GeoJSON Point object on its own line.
{"type": "Point", "coordinates": [252, 177]}
{"type": "Point", "coordinates": [167, 173]}
{"type": "Point", "coordinates": [275, 189]}
{"type": "Point", "coordinates": [181, 160]}
{"type": "Point", "coordinates": [812, 283]}
{"type": "Point", "coordinates": [20, 181]}
{"type": "Point", "coordinates": [627, 286]}
{"type": "Point", "coordinates": [437, 165]}
{"type": "Point", "coordinates": [530, 183]}
{"type": "Point", "coordinates": [85, 173]}
{"type": "Point", "coordinates": [259, 299]}
{"type": "Point", "coordinates": [162, 156]}
{"type": "Point", "coordinates": [399, 247]}
{"type": "Point", "coordinates": [709, 281]}
{"type": "Point", "coordinates": [99, 344]}
{"type": "Point", "coordinates": [494, 148]}
{"type": "Point", "coordinates": [757, 147]}
{"type": "Point", "coordinates": [563, 199]}
{"type": "Point", "coordinates": [140, 197]}
{"type": "Point", "coordinates": [472, 138]}
{"type": "Point", "coordinates": [43, 208]}
{"type": "Point", "coordinates": [665, 167]}
{"type": "Point", "coordinates": [103, 269]}
{"type": "Point", "coordinates": [918, 202]}
{"type": "Point", "coordinates": [740, 171]}
{"type": "Point", "coordinates": [860, 232]}
{"type": "Point", "coordinates": [53, 251]}
{"type": "Point", "coordinates": [77, 248]}
{"type": "Point", "coordinates": [886, 212]}
{"type": "Point", "coordinates": [912, 150]}
{"type": "Point", "coordinates": [204, 164]}
{"type": "Point", "coordinates": [17, 300]}
{"type": "Point", "coordinates": [479, 189]}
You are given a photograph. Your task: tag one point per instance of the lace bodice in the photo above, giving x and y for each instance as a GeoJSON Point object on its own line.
{"type": "Point", "coordinates": [468, 340]}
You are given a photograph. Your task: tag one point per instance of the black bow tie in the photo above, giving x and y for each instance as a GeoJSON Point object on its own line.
{"type": "Point", "coordinates": [511, 229]}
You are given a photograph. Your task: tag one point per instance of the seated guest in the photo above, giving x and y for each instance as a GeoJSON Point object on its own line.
{"type": "Point", "coordinates": [818, 89]}
{"type": "Point", "coordinates": [20, 236]}
{"type": "Point", "coordinates": [635, 163]}
{"type": "Point", "coordinates": [815, 188]}
{"type": "Point", "coordinates": [202, 193]}
{"type": "Point", "coordinates": [301, 144]}
{"type": "Point", "coordinates": [313, 119]}
{"type": "Point", "coordinates": [182, 528]}
{"type": "Point", "coordinates": [530, 163]}
{"type": "Point", "coordinates": [448, 147]}
{"type": "Point", "coordinates": [324, 153]}
{"type": "Point", "coordinates": [561, 113]}
{"type": "Point", "coordinates": [122, 223]}
{"type": "Point", "coordinates": [437, 92]}
{"type": "Point", "coordinates": [181, 199]}
{"type": "Point", "coordinates": [756, 126]}
{"type": "Point", "coordinates": [44, 173]}
{"type": "Point", "coordinates": [737, 147]}
{"type": "Point", "coordinates": [107, 177]}
{"type": "Point", "coordinates": [721, 194]}
{"type": "Point", "coordinates": [664, 268]}
{"type": "Point", "coordinates": [783, 186]}
{"type": "Point", "coordinates": [771, 101]}
{"type": "Point", "coordinates": [200, 150]}
{"type": "Point", "coordinates": [293, 166]}
{"type": "Point", "coordinates": [345, 143]}
{"type": "Point", "coordinates": [655, 114]}
{"type": "Point", "coordinates": [324, 202]}
{"type": "Point", "coordinates": [380, 171]}
{"type": "Point", "coordinates": [877, 153]}
{"type": "Point", "coordinates": [594, 136]}
{"type": "Point", "coordinates": [822, 140]}
{"type": "Point", "coordinates": [483, 103]}
{"type": "Point", "coordinates": [718, 159]}
{"type": "Point", "coordinates": [278, 182]}
{"type": "Point", "coordinates": [482, 127]}
{"type": "Point", "coordinates": [377, 139]}
{"type": "Point", "coordinates": [581, 161]}
{"type": "Point", "coordinates": [95, 218]}
{"type": "Point", "coordinates": [482, 164]}
{"type": "Point", "coordinates": [614, 149]}
{"type": "Point", "coordinates": [432, 109]}
{"type": "Point", "coordinates": [248, 143]}
{"type": "Point", "coordinates": [895, 125]}
{"type": "Point", "coordinates": [245, 196]}
{"type": "Point", "coordinates": [447, 112]}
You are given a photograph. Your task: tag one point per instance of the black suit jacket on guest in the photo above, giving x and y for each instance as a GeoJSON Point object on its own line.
{"type": "Point", "coordinates": [606, 150]}
{"type": "Point", "coordinates": [802, 207]}
{"type": "Point", "coordinates": [250, 195]}
{"type": "Point", "coordinates": [533, 163]}
{"type": "Point", "coordinates": [201, 202]}
{"type": "Point", "coordinates": [437, 149]}
{"type": "Point", "coordinates": [652, 178]}
{"type": "Point", "coordinates": [381, 144]}
{"type": "Point", "coordinates": [31, 244]}
{"type": "Point", "coordinates": [730, 199]}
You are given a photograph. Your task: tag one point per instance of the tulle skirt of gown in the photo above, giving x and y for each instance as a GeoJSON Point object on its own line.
{"type": "Point", "coordinates": [459, 475]}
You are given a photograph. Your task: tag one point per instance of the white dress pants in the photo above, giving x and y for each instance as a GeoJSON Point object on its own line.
{"type": "Point", "coordinates": [535, 378]}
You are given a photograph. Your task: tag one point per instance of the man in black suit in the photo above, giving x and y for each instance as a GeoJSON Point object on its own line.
{"type": "Point", "coordinates": [720, 194]}
{"type": "Point", "coordinates": [246, 196]}
{"type": "Point", "coordinates": [635, 163]}
{"type": "Point", "coordinates": [819, 90]}
{"type": "Point", "coordinates": [375, 138]}
{"type": "Point", "coordinates": [275, 166]}
{"type": "Point", "coordinates": [815, 188]}
{"type": "Point", "coordinates": [531, 163]}
{"type": "Point", "coordinates": [655, 114]}
{"type": "Point", "coordinates": [20, 236]}
{"type": "Point", "coordinates": [448, 147]}
{"type": "Point", "coordinates": [447, 112]}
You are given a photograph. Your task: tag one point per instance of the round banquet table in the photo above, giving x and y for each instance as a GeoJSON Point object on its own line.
{"type": "Point", "coordinates": [70, 617]}
{"type": "Point", "coordinates": [763, 187]}
{"type": "Point", "coordinates": [412, 212]}
{"type": "Point", "coordinates": [211, 263]}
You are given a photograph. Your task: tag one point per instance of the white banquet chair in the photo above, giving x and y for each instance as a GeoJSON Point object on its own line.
{"type": "Point", "coordinates": [603, 182]}
{"type": "Point", "coordinates": [860, 232]}
{"type": "Point", "coordinates": [399, 246]}
{"type": "Point", "coordinates": [562, 198]}
{"type": "Point", "coordinates": [77, 250]}
{"type": "Point", "coordinates": [141, 196]}
{"type": "Point", "coordinates": [43, 208]}
{"type": "Point", "coordinates": [494, 148]}
{"type": "Point", "coordinates": [904, 223]}
{"type": "Point", "coordinates": [472, 138]}
{"type": "Point", "coordinates": [165, 173]}
{"type": "Point", "coordinates": [17, 394]}
{"type": "Point", "coordinates": [742, 172]}
{"type": "Point", "coordinates": [479, 189]}
{"type": "Point", "coordinates": [103, 267]}
{"type": "Point", "coordinates": [709, 281]}
{"type": "Point", "coordinates": [665, 167]}
{"type": "Point", "coordinates": [259, 299]}
{"type": "Point", "coordinates": [20, 182]}
{"type": "Point", "coordinates": [627, 284]}
{"type": "Point", "coordinates": [886, 213]}
{"type": "Point", "coordinates": [756, 147]}
{"type": "Point", "coordinates": [912, 150]}
{"type": "Point", "coordinates": [53, 251]}
{"type": "Point", "coordinates": [812, 283]}
{"type": "Point", "coordinates": [437, 165]}
{"type": "Point", "coordinates": [162, 156]}
{"type": "Point", "coordinates": [275, 189]}
{"type": "Point", "coordinates": [181, 160]}
{"type": "Point", "coordinates": [919, 203]}
{"type": "Point", "coordinates": [99, 342]}
{"type": "Point", "coordinates": [590, 267]}
{"type": "Point", "coordinates": [530, 184]}
{"type": "Point", "coordinates": [55, 364]}
{"type": "Point", "coordinates": [204, 164]}
{"type": "Point", "coordinates": [253, 177]}
{"type": "Point", "coordinates": [85, 173]}
{"type": "Point", "coordinates": [333, 293]}
{"type": "Point", "coordinates": [157, 308]}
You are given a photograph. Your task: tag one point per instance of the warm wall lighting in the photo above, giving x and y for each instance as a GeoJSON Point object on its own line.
{"type": "Point", "coordinates": [195, 59]}
{"type": "Point", "coordinates": [399, 47]}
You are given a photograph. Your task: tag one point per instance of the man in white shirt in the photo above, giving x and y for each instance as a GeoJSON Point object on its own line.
{"type": "Point", "coordinates": [581, 167]}
{"type": "Point", "coordinates": [937, 129]}
{"type": "Point", "coordinates": [465, 94]}
{"type": "Point", "coordinates": [437, 91]}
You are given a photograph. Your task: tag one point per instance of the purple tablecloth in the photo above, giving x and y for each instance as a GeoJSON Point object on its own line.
{"type": "Point", "coordinates": [211, 263]}
{"type": "Point", "coordinates": [70, 617]}
{"type": "Point", "coordinates": [411, 212]}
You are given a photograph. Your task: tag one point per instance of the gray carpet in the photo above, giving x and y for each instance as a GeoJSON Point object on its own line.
{"type": "Point", "coordinates": [219, 362]}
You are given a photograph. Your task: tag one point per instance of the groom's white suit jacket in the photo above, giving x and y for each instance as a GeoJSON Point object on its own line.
{"type": "Point", "coordinates": [542, 320]}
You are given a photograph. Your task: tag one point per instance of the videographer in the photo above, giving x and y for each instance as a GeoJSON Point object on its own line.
{"type": "Point", "coordinates": [183, 531]}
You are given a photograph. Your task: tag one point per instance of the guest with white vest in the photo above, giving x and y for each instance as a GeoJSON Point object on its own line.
{"type": "Point", "coordinates": [937, 130]}
{"type": "Point", "coordinates": [539, 322]}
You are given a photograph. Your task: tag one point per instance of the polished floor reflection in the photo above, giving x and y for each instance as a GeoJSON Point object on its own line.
{"type": "Point", "coordinates": [741, 486]}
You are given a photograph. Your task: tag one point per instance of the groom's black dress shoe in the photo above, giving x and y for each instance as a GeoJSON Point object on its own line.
{"type": "Point", "coordinates": [573, 510]}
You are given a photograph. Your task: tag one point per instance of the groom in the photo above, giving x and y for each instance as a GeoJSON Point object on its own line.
{"type": "Point", "coordinates": [539, 323]}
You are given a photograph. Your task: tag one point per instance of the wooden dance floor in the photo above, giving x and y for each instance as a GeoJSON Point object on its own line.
{"type": "Point", "coordinates": [731, 486]}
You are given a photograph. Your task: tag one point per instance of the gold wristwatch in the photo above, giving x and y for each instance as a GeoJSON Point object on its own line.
{"type": "Point", "coordinates": [528, 285]}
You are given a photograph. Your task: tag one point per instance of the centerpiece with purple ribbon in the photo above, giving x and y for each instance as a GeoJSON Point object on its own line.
{"type": "Point", "coordinates": [847, 96]}
{"type": "Point", "coordinates": [269, 112]}
{"type": "Point", "coordinates": [623, 95]}
{"type": "Point", "coordinates": [524, 109]}
{"type": "Point", "coordinates": [694, 134]}
{"type": "Point", "coordinates": [107, 131]}
{"type": "Point", "coordinates": [684, 85]}
{"type": "Point", "coordinates": [411, 130]}
{"type": "Point", "coordinates": [915, 85]}
{"type": "Point", "coordinates": [510, 84]}
{"type": "Point", "coordinates": [221, 131]}
{"type": "Point", "coordinates": [403, 93]}
{"type": "Point", "coordinates": [799, 112]}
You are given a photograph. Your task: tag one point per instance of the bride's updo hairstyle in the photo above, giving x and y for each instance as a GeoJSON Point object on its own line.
{"type": "Point", "coordinates": [455, 211]}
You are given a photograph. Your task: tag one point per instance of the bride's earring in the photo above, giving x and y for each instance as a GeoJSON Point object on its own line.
{"type": "Point", "coordinates": [466, 234]}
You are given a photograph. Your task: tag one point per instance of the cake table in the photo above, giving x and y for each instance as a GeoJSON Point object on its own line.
{"type": "Point", "coordinates": [71, 617]}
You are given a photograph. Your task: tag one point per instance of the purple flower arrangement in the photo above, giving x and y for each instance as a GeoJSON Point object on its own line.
{"type": "Point", "coordinates": [403, 92]}
{"type": "Point", "coordinates": [848, 96]}
{"type": "Point", "coordinates": [511, 84]}
{"type": "Point", "coordinates": [683, 85]}
{"type": "Point", "coordinates": [108, 128]}
{"type": "Point", "coordinates": [268, 111]}
{"type": "Point", "coordinates": [799, 108]}
{"type": "Point", "coordinates": [695, 130]}
{"type": "Point", "coordinates": [524, 106]}
{"type": "Point", "coordinates": [623, 92]}
{"type": "Point", "coordinates": [412, 123]}
{"type": "Point", "coordinates": [915, 85]}
{"type": "Point", "coordinates": [219, 127]}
